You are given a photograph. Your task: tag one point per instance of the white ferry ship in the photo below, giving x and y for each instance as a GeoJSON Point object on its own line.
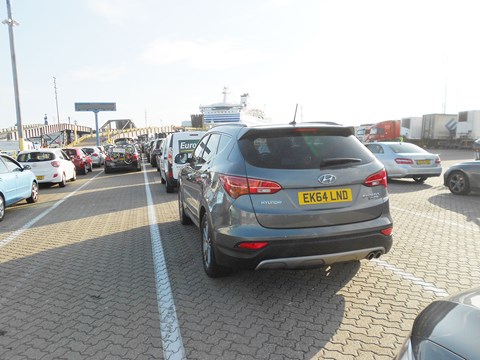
{"type": "Point", "coordinates": [224, 112]}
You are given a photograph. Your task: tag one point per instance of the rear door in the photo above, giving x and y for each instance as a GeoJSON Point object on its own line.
{"type": "Point", "coordinates": [183, 144]}
{"type": "Point", "coordinates": [321, 173]}
{"type": "Point", "coordinates": [8, 183]}
{"type": "Point", "coordinates": [23, 182]}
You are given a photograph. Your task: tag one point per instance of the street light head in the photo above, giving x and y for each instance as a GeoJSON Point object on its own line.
{"type": "Point", "coordinates": [10, 22]}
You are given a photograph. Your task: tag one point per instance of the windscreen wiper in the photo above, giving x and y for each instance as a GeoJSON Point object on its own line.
{"type": "Point", "coordinates": [338, 161]}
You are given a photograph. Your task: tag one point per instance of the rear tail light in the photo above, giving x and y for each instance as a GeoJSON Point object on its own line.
{"type": "Point", "coordinates": [379, 178]}
{"type": "Point", "coordinates": [95, 155]}
{"type": "Point", "coordinates": [169, 163]}
{"type": "Point", "coordinates": [387, 231]}
{"type": "Point", "coordinates": [237, 186]}
{"type": "Point", "coordinates": [55, 163]}
{"type": "Point", "coordinates": [404, 161]}
{"type": "Point", "coordinates": [438, 161]}
{"type": "Point", "coordinates": [256, 245]}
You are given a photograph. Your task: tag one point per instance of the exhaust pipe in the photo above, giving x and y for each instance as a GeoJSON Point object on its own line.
{"type": "Point", "coordinates": [374, 255]}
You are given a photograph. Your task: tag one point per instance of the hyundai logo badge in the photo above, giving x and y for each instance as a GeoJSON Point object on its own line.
{"type": "Point", "coordinates": [327, 179]}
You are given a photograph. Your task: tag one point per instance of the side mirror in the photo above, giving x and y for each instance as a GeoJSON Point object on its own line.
{"type": "Point", "coordinates": [181, 158]}
{"type": "Point", "coordinates": [27, 167]}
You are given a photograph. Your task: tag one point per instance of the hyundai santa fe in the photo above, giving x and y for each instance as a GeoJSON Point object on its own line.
{"type": "Point", "coordinates": [284, 197]}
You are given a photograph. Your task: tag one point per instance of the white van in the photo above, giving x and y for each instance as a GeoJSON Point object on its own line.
{"type": "Point", "coordinates": [175, 150]}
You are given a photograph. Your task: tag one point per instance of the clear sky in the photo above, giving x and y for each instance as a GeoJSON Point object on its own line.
{"type": "Point", "coordinates": [346, 61]}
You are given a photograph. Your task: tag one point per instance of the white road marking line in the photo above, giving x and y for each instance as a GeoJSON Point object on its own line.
{"type": "Point", "coordinates": [32, 222]}
{"type": "Point", "coordinates": [170, 330]}
{"type": "Point", "coordinates": [405, 275]}
{"type": "Point", "coordinates": [436, 219]}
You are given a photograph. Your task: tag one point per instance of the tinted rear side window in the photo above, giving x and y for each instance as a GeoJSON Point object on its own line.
{"type": "Point", "coordinates": [299, 149]}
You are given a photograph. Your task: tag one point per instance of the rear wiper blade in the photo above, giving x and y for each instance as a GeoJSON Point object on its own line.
{"type": "Point", "coordinates": [338, 161]}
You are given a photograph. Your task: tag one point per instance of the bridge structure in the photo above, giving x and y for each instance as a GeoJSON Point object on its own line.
{"type": "Point", "coordinates": [46, 134]}
{"type": "Point", "coordinates": [71, 134]}
{"type": "Point", "coordinates": [142, 134]}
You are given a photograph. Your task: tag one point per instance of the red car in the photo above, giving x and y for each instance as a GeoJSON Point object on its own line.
{"type": "Point", "coordinates": [82, 161]}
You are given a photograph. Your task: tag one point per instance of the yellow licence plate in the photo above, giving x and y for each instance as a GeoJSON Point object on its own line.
{"type": "Point", "coordinates": [423, 162]}
{"type": "Point", "coordinates": [324, 196]}
{"type": "Point", "coordinates": [39, 177]}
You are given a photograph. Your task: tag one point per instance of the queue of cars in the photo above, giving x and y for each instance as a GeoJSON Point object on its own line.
{"type": "Point", "coordinates": [82, 161]}
{"type": "Point", "coordinates": [246, 187]}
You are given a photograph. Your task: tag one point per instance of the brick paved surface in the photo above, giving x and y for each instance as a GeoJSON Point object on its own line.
{"type": "Point", "coordinates": [80, 283]}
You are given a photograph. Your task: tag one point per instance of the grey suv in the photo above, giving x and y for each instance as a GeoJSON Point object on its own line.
{"type": "Point", "coordinates": [284, 197]}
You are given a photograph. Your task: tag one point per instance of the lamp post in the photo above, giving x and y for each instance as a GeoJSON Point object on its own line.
{"type": "Point", "coordinates": [56, 98]}
{"type": "Point", "coordinates": [10, 22]}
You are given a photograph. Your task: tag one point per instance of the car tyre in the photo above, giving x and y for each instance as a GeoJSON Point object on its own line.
{"type": "Point", "coordinates": [63, 183]}
{"type": "Point", "coordinates": [458, 183]}
{"type": "Point", "coordinates": [74, 177]}
{"type": "Point", "coordinates": [85, 170]}
{"type": "Point", "coordinates": [168, 187]}
{"type": "Point", "coordinates": [2, 208]}
{"type": "Point", "coordinates": [420, 179]}
{"type": "Point", "coordinates": [184, 219]}
{"type": "Point", "coordinates": [34, 194]}
{"type": "Point", "coordinates": [212, 269]}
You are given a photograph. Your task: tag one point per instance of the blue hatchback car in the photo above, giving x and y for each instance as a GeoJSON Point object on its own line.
{"type": "Point", "coordinates": [17, 183]}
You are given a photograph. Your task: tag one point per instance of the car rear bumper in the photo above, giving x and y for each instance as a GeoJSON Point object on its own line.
{"type": "Point", "coordinates": [408, 172]}
{"type": "Point", "coordinates": [44, 178]}
{"type": "Point", "coordinates": [121, 166]}
{"type": "Point", "coordinates": [302, 248]}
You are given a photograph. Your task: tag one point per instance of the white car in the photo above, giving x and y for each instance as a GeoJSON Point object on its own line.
{"type": "Point", "coordinates": [49, 165]}
{"type": "Point", "coordinates": [175, 150]}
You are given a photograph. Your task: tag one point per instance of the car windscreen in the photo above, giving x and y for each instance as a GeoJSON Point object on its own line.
{"type": "Point", "coordinates": [303, 149]}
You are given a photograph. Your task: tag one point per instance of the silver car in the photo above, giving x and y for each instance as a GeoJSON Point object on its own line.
{"type": "Point", "coordinates": [96, 154]}
{"type": "Point", "coordinates": [406, 160]}
{"type": "Point", "coordinates": [287, 196]}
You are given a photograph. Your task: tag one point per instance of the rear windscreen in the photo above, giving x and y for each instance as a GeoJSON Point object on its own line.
{"type": "Point", "coordinates": [302, 150]}
{"type": "Point", "coordinates": [36, 157]}
{"type": "Point", "coordinates": [406, 148]}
